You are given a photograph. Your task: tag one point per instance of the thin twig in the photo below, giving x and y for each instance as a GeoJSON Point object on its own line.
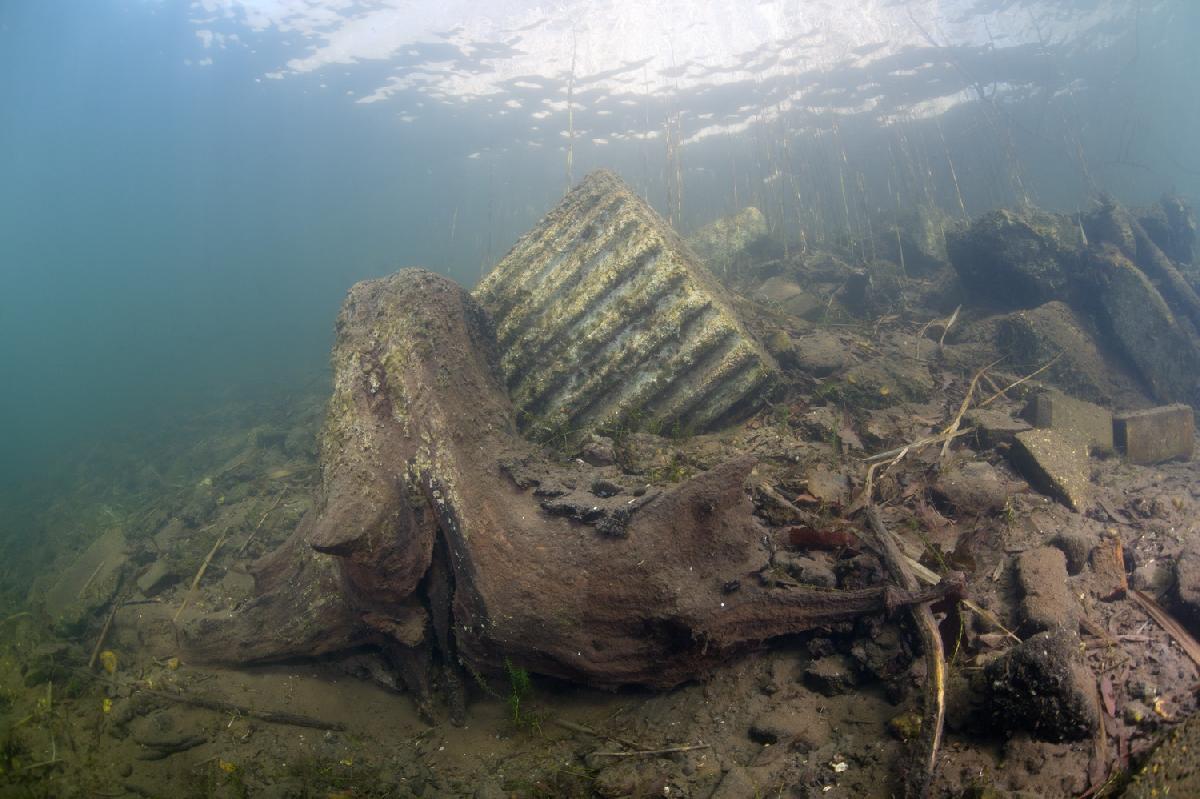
{"type": "Point", "coordinates": [112, 614]}
{"type": "Point", "coordinates": [648, 752]}
{"type": "Point", "coordinates": [272, 716]}
{"type": "Point", "coordinates": [200, 574]}
{"type": "Point", "coordinates": [962, 409]}
{"type": "Point", "coordinates": [254, 532]}
{"type": "Point", "coordinates": [1181, 636]}
{"type": "Point", "coordinates": [1016, 383]}
{"type": "Point", "coordinates": [88, 584]}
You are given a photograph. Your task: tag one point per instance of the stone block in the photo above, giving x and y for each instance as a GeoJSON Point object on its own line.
{"type": "Point", "coordinates": [995, 428]}
{"type": "Point", "coordinates": [605, 319]}
{"type": "Point", "coordinates": [1074, 418]}
{"type": "Point", "coordinates": [1055, 465]}
{"type": "Point", "coordinates": [1159, 434]}
{"type": "Point", "coordinates": [1046, 601]}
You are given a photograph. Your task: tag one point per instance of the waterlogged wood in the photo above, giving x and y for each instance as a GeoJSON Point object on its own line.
{"type": "Point", "coordinates": [418, 447]}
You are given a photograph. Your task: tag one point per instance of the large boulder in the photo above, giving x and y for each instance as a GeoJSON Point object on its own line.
{"type": "Point", "coordinates": [605, 320]}
{"type": "Point", "coordinates": [727, 245]}
{"type": "Point", "coordinates": [1142, 325]}
{"type": "Point", "coordinates": [1010, 259]}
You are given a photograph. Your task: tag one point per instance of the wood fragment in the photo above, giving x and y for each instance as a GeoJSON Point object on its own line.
{"type": "Point", "coordinates": [650, 752]}
{"type": "Point", "coordinates": [270, 716]}
{"type": "Point", "coordinates": [1182, 637]}
{"type": "Point", "coordinates": [919, 781]}
{"type": "Point", "coordinates": [200, 574]}
{"type": "Point", "coordinates": [112, 614]}
{"type": "Point", "coordinates": [254, 532]}
{"type": "Point", "coordinates": [88, 584]}
{"type": "Point", "coordinates": [586, 730]}
{"type": "Point", "coordinates": [1002, 392]}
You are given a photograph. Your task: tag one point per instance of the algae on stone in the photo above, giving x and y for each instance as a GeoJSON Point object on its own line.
{"type": "Point", "coordinates": [604, 319]}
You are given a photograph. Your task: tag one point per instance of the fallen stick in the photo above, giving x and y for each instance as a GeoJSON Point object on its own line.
{"type": "Point", "coordinates": [1181, 636]}
{"type": "Point", "coordinates": [88, 584]}
{"type": "Point", "coordinates": [112, 614]}
{"type": "Point", "coordinates": [270, 716]}
{"type": "Point", "coordinates": [1003, 392]}
{"type": "Point", "coordinates": [586, 730]}
{"type": "Point", "coordinates": [200, 574]}
{"type": "Point", "coordinates": [650, 752]}
{"type": "Point", "coordinates": [254, 532]}
{"type": "Point", "coordinates": [918, 782]}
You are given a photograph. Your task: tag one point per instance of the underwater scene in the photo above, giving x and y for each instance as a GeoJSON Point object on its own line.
{"type": "Point", "coordinates": [626, 398]}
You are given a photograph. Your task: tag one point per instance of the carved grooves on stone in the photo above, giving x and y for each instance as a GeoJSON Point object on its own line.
{"type": "Point", "coordinates": [604, 320]}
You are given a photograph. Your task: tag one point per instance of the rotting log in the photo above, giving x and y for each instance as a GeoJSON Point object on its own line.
{"type": "Point", "coordinates": [415, 446]}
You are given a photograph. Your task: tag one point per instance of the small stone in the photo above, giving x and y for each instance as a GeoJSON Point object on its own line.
{"type": "Point", "coordinates": [995, 428]}
{"type": "Point", "coordinates": [782, 725]}
{"type": "Point", "coordinates": [828, 486]}
{"type": "Point", "coordinates": [1046, 602]}
{"type": "Point", "coordinates": [605, 488]}
{"type": "Point", "coordinates": [1077, 547]}
{"type": "Point", "coordinates": [1055, 465]}
{"type": "Point", "coordinates": [831, 676]}
{"type": "Point", "coordinates": [599, 451]}
{"type": "Point", "coordinates": [736, 784]}
{"type": "Point", "coordinates": [1157, 435]}
{"type": "Point", "coordinates": [1187, 585]}
{"type": "Point", "coordinates": [1153, 578]}
{"type": "Point", "coordinates": [156, 579]}
{"type": "Point", "coordinates": [1042, 685]}
{"type": "Point", "coordinates": [975, 487]}
{"type": "Point", "coordinates": [806, 570]}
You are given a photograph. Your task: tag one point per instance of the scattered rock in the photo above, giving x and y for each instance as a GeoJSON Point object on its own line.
{"type": "Point", "coordinates": [1042, 685]}
{"type": "Point", "coordinates": [831, 676]}
{"type": "Point", "coordinates": [1173, 768]}
{"type": "Point", "coordinates": [797, 729]}
{"type": "Point", "coordinates": [156, 579]}
{"type": "Point", "coordinates": [1016, 259]}
{"type": "Point", "coordinates": [995, 428]}
{"type": "Point", "coordinates": [917, 240]}
{"type": "Point", "coordinates": [1186, 593]}
{"type": "Point", "coordinates": [806, 570]}
{"type": "Point", "coordinates": [827, 485]}
{"type": "Point", "coordinates": [821, 353]}
{"type": "Point", "coordinates": [1046, 601]}
{"type": "Point", "coordinates": [788, 295]}
{"type": "Point", "coordinates": [1156, 435]}
{"type": "Point", "coordinates": [726, 246]}
{"type": "Point", "coordinates": [1076, 547]}
{"type": "Point", "coordinates": [1055, 465]}
{"type": "Point", "coordinates": [599, 451]}
{"type": "Point", "coordinates": [973, 488]}
{"type": "Point", "coordinates": [736, 784]}
{"type": "Point", "coordinates": [89, 583]}
{"type": "Point", "coordinates": [636, 776]}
